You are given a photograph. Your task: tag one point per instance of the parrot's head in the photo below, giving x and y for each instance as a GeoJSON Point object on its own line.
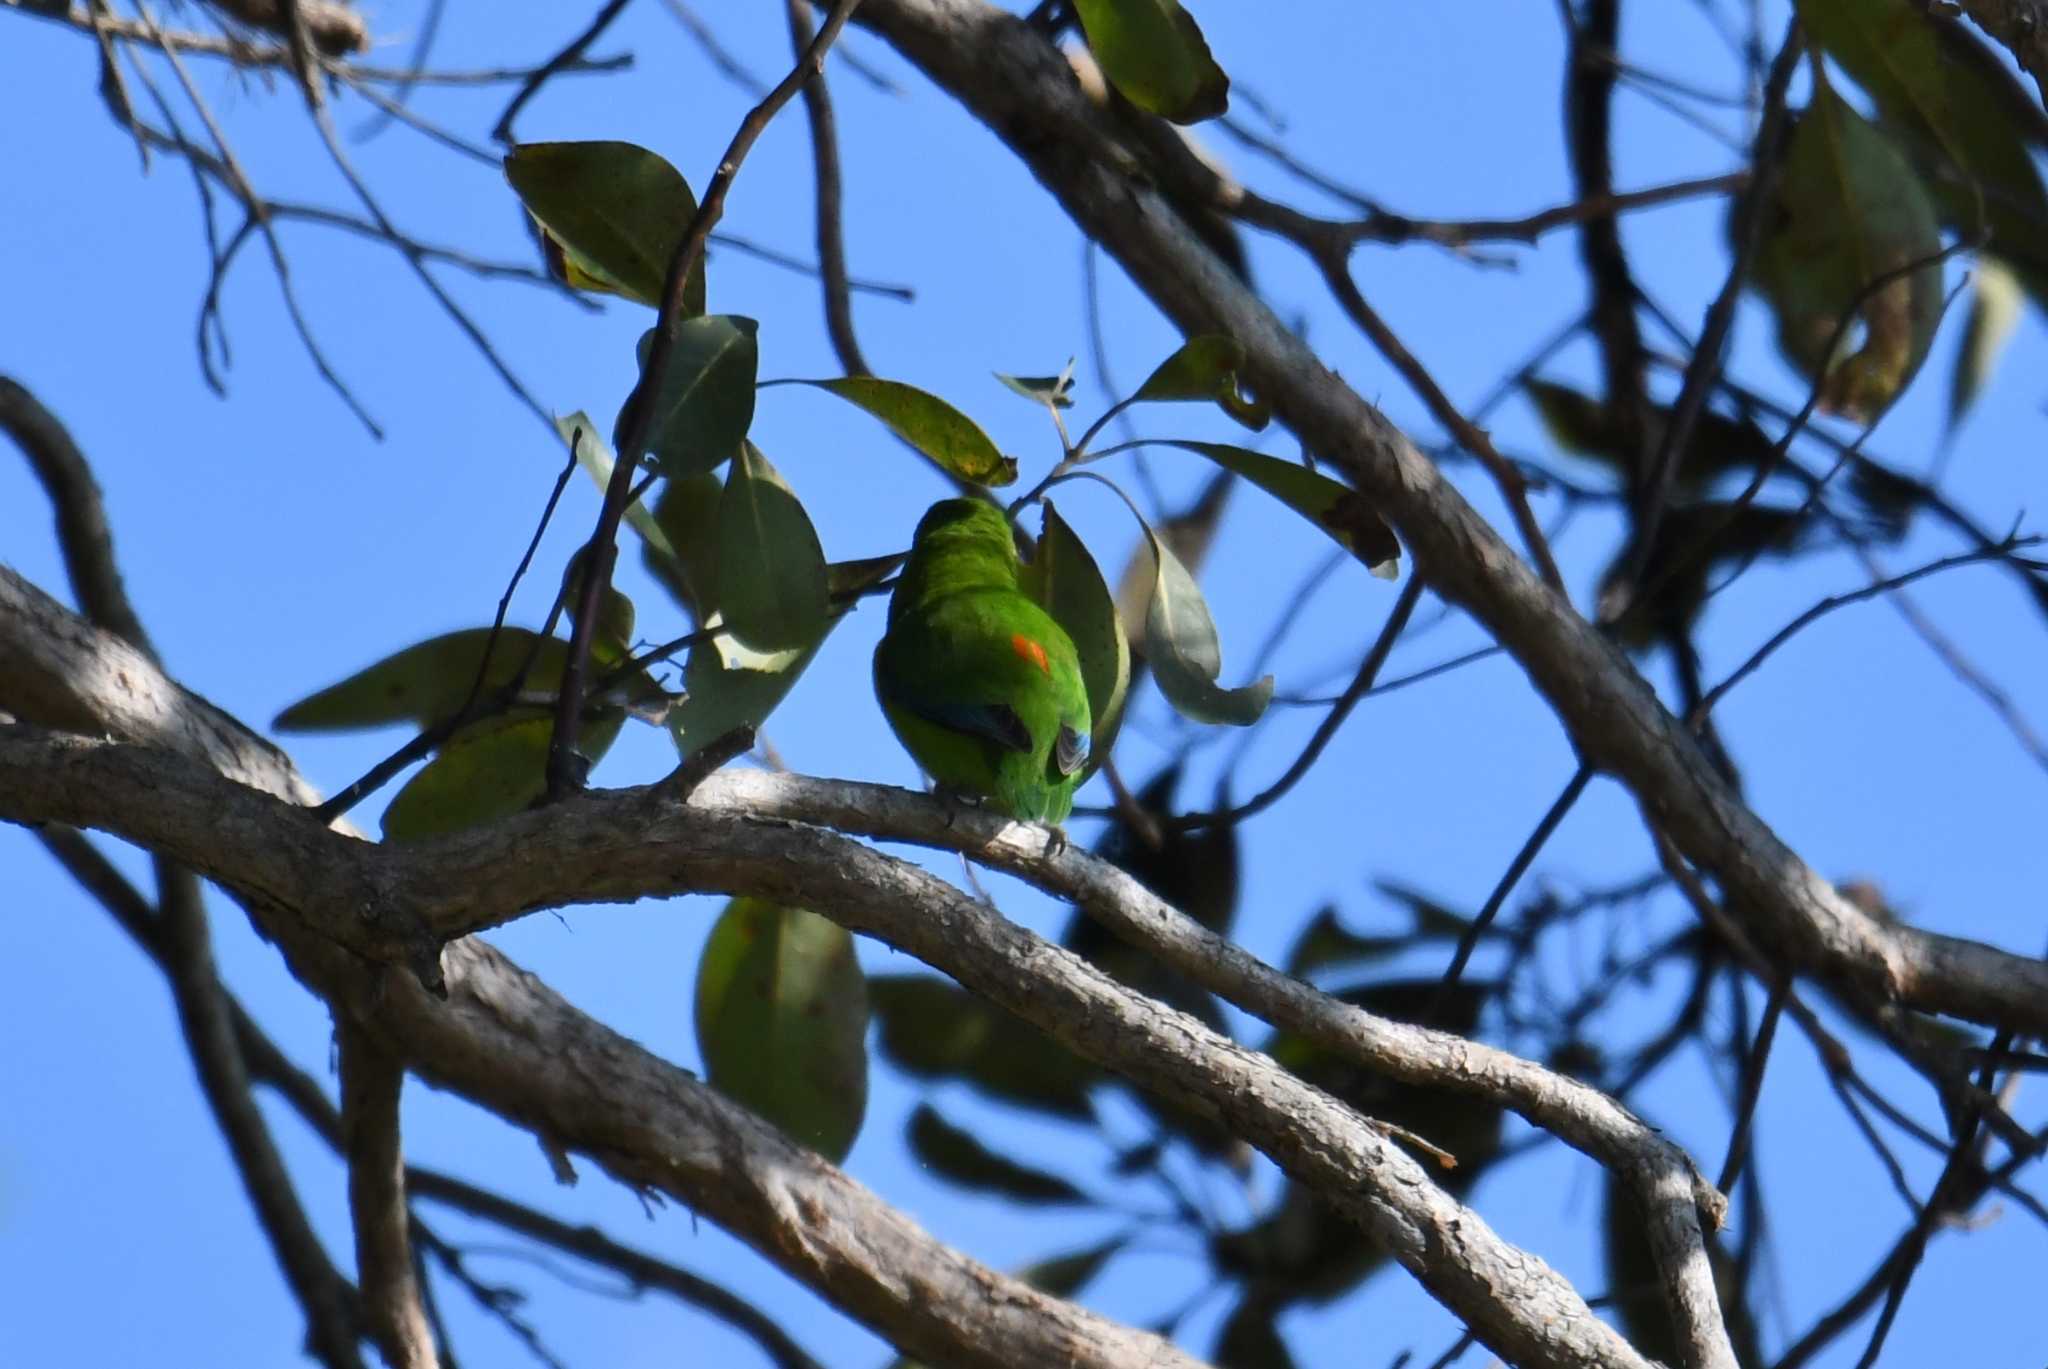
{"type": "Point", "coordinates": [959, 544]}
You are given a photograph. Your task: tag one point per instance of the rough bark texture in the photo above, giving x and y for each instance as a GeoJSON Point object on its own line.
{"type": "Point", "coordinates": [1014, 80]}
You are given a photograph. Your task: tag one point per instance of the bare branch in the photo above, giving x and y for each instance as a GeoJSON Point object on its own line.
{"type": "Point", "coordinates": [371, 1083]}
{"type": "Point", "coordinates": [1008, 75]}
{"type": "Point", "coordinates": [826, 179]}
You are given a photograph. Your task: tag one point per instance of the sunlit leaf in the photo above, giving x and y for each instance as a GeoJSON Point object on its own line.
{"type": "Point", "coordinates": [1850, 211]}
{"type": "Point", "coordinates": [706, 401]}
{"type": "Point", "coordinates": [611, 213]}
{"type": "Point", "coordinates": [1188, 534]}
{"type": "Point", "coordinates": [1065, 581]}
{"type": "Point", "coordinates": [961, 1158]}
{"type": "Point", "coordinates": [1055, 392]}
{"type": "Point", "coordinates": [1342, 513]}
{"type": "Point", "coordinates": [1156, 57]}
{"type": "Point", "coordinates": [772, 589]}
{"type": "Point", "coordinates": [1965, 118]}
{"type": "Point", "coordinates": [928, 423]}
{"type": "Point", "coordinates": [594, 455]}
{"type": "Point", "coordinates": [782, 1015]}
{"type": "Point", "coordinates": [1206, 368]}
{"type": "Point", "coordinates": [1182, 648]}
{"type": "Point", "coordinates": [1994, 311]}
{"type": "Point", "coordinates": [492, 770]}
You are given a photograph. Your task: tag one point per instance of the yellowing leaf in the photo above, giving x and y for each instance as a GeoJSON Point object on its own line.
{"type": "Point", "coordinates": [1849, 212]}
{"type": "Point", "coordinates": [1156, 57]}
{"type": "Point", "coordinates": [426, 682]}
{"type": "Point", "coordinates": [928, 423]}
{"type": "Point", "coordinates": [491, 770]}
{"type": "Point", "coordinates": [1206, 368]}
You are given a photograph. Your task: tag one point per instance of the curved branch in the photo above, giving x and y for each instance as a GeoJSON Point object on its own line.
{"type": "Point", "coordinates": [1010, 77]}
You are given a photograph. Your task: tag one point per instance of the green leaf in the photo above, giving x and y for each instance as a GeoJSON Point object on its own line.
{"type": "Point", "coordinates": [706, 402]}
{"type": "Point", "coordinates": [782, 1013]}
{"type": "Point", "coordinates": [1849, 210]}
{"type": "Point", "coordinates": [611, 216]}
{"type": "Point", "coordinates": [1994, 310]}
{"type": "Point", "coordinates": [1961, 113]}
{"type": "Point", "coordinates": [426, 682]}
{"type": "Point", "coordinates": [926, 422]}
{"type": "Point", "coordinates": [595, 457]}
{"type": "Point", "coordinates": [934, 1029]}
{"type": "Point", "coordinates": [1206, 368]}
{"type": "Point", "coordinates": [686, 516]}
{"type": "Point", "coordinates": [960, 1158]}
{"type": "Point", "coordinates": [1186, 658]}
{"type": "Point", "coordinates": [728, 685]}
{"type": "Point", "coordinates": [773, 592]}
{"type": "Point", "coordinates": [1156, 57]}
{"type": "Point", "coordinates": [1341, 512]}
{"type": "Point", "coordinates": [1187, 534]}
{"type": "Point", "coordinates": [1055, 392]}
{"type": "Point", "coordinates": [720, 695]}
{"type": "Point", "coordinates": [1065, 581]}
{"type": "Point", "coordinates": [491, 770]}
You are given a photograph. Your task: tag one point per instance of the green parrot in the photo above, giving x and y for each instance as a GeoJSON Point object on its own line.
{"type": "Point", "coordinates": [982, 687]}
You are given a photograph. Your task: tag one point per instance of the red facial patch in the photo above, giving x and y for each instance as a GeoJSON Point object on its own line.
{"type": "Point", "coordinates": [1030, 651]}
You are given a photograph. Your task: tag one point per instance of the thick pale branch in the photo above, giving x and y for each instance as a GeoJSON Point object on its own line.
{"type": "Point", "coordinates": [1513, 1300]}
{"type": "Point", "coordinates": [500, 1038]}
{"type": "Point", "coordinates": [1009, 76]}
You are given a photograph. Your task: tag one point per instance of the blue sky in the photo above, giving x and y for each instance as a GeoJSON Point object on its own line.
{"type": "Point", "coordinates": [272, 547]}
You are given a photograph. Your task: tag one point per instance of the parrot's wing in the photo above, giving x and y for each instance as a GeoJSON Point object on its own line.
{"type": "Point", "coordinates": [1069, 750]}
{"type": "Point", "coordinates": [996, 722]}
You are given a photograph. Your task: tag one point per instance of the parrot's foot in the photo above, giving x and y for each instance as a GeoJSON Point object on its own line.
{"type": "Point", "coordinates": [1055, 842]}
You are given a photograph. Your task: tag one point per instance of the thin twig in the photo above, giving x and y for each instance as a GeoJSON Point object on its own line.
{"type": "Point", "coordinates": [1855, 596]}
{"type": "Point", "coordinates": [1368, 670]}
{"type": "Point", "coordinates": [1517, 867]}
{"type": "Point", "coordinates": [602, 550]}
{"type": "Point", "coordinates": [501, 132]}
{"type": "Point", "coordinates": [1514, 487]}
{"type": "Point", "coordinates": [831, 233]}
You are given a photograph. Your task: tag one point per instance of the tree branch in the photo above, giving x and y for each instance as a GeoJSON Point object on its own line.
{"type": "Point", "coordinates": [1009, 76]}
{"type": "Point", "coordinates": [371, 1082]}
